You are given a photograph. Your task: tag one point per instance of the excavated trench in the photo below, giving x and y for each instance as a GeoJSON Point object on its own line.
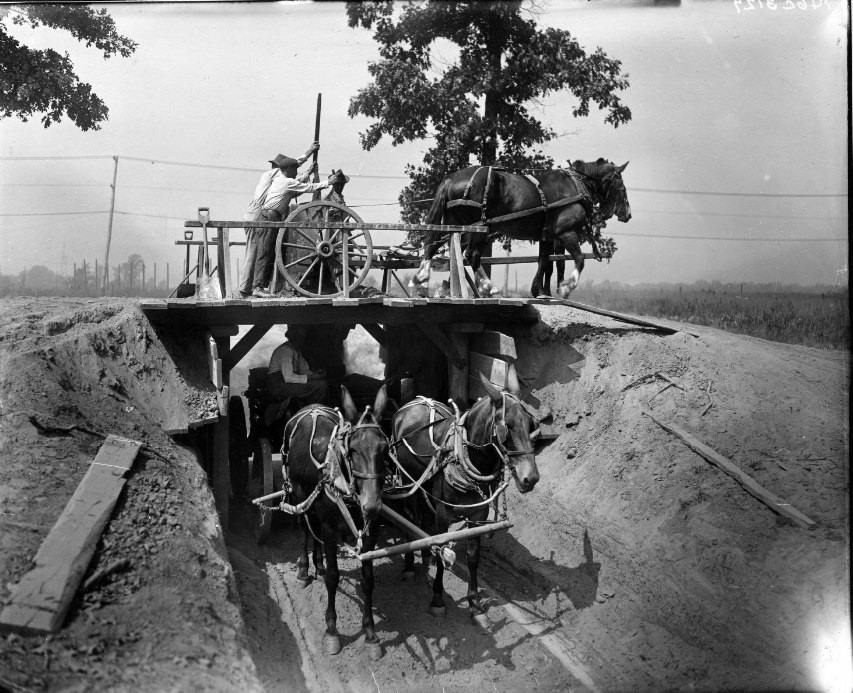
{"type": "Point", "coordinates": [634, 564]}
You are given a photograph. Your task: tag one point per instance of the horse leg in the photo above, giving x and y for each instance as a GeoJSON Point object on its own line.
{"type": "Point", "coordinates": [473, 253]}
{"type": "Point", "coordinates": [571, 243]}
{"type": "Point", "coordinates": [332, 639]}
{"type": "Point", "coordinates": [319, 563]}
{"type": "Point", "coordinates": [436, 606]}
{"type": "Point", "coordinates": [371, 641]}
{"type": "Point", "coordinates": [302, 561]}
{"type": "Point", "coordinates": [478, 614]}
{"type": "Point", "coordinates": [541, 285]}
{"type": "Point", "coordinates": [561, 264]}
{"type": "Point", "coordinates": [420, 280]}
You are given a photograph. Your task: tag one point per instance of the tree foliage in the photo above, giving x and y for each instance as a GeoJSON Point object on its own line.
{"type": "Point", "coordinates": [43, 81]}
{"type": "Point", "coordinates": [475, 107]}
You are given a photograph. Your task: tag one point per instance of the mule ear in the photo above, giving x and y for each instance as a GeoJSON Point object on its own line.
{"type": "Point", "coordinates": [621, 168]}
{"type": "Point", "coordinates": [512, 383]}
{"type": "Point", "coordinates": [350, 412]}
{"type": "Point", "coordinates": [379, 403]}
{"type": "Point", "coordinates": [493, 392]}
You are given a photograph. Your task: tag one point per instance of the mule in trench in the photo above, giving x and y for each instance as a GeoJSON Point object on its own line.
{"type": "Point", "coordinates": [335, 462]}
{"type": "Point", "coordinates": [460, 465]}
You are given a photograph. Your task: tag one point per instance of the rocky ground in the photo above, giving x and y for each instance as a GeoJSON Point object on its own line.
{"type": "Point", "coordinates": [635, 564]}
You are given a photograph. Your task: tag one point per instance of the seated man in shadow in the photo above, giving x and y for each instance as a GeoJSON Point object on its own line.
{"type": "Point", "coordinates": [290, 377]}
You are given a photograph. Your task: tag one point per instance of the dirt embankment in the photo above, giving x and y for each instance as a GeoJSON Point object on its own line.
{"type": "Point", "coordinates": [170, 621]}
{"type": "Point", "coordinates": [653, 568]}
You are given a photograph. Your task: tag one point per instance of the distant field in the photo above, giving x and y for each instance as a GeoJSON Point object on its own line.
{"type": "Point", "coordinates": [812, 318]}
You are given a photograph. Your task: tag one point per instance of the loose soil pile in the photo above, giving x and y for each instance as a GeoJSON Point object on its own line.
{"type": "Point", "coordinates": [640, 565]}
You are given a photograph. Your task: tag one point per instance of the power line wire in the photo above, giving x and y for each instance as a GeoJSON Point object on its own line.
{"type": "Point", "coordinates": [380, 177]}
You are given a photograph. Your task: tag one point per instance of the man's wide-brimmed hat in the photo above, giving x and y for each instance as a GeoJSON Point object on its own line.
{"type": "Point", "coordinates": [338, 175]}
{"type": "Point", "coordinates": [283, 161]}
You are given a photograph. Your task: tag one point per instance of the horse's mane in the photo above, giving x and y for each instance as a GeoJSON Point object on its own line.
{"type": "Point", "coordinates": [588, 168]}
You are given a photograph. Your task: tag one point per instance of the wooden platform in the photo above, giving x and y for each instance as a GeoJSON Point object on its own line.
{"type": "Point", "coordinates": [317, 311]}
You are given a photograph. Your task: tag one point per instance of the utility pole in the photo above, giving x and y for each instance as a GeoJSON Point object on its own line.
{"type": "Point", "coordinates": [85, 278]}
{"type": "Point", "coordinates": [96, 276]}
{"type": "Point", "coordinates": [110, 227]}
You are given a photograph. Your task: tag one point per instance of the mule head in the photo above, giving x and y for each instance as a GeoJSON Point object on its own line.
{"type": "Point", "coordinates": [616, 195]}
{"type": "Point", "coordinates": [515, 431]}
{"type": "Point", "coordinates": [365, 450]}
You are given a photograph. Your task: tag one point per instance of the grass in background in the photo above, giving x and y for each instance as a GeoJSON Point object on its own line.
{"type": "Point", "coordinates": [811, 316]}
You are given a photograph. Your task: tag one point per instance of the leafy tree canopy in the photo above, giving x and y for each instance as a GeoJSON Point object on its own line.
{"type": "Point", "coordinates": [477, 106]}
{"type": "Point", "coordinates": [43, 81]}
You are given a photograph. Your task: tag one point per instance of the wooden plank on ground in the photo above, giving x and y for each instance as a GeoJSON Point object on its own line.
{"type": "Point", "coordinates": [493, 343]}
{"type": "Point", "coordinates": [772, 501]}
{"type": "Point", "coordinates": [624, 318]}
{"type": "Point", "coordinates": [40, 600]}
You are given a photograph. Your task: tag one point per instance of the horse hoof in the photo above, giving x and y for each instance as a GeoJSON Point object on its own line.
{"type": "Point", "coordinates": [407, 575]}
{"type": "Point", "coordinates": [332, 643]}
{"type": "Point", "coordinates": [374, 650]}
{"type": "Point", "coordinates": [438, 610]}
{"type": "Point", "coordinates": [482, 620]}
{"type": "Point", "coordinates": [304, 580]}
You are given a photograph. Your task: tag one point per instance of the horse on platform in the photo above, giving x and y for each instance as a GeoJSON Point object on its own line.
{"type": "Point", "coordinates": [333, 462]}
{"type": "Point", "coordinates": [556, 205]}
{"type": "Point", "coordinates": [456, 467]}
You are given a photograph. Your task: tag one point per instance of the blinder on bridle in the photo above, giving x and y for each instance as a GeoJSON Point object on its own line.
{"type": "Point", "coordinates": [501, 431]}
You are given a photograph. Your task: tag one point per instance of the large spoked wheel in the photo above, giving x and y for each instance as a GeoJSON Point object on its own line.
{"type": "Point", "coordinates": [318, 261]}
{"type": "Point", "coordinates": [262, 460]}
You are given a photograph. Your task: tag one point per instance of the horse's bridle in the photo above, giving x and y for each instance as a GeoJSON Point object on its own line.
{"type": "Point", "coordinates": [344, 434]}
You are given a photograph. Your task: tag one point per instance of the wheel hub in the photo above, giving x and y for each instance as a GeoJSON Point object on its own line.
{"type": "Point", "coordinates": [324, 249]}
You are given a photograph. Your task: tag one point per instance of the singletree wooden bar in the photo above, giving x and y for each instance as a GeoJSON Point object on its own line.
{"type": "Point", "coordinates": [772, 501]}
{"type": "Point", "coordinates": [40, 600]}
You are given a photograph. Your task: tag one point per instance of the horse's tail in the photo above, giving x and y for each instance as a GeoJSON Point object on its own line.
{"type": "Point", "coordinates": [436, 211]}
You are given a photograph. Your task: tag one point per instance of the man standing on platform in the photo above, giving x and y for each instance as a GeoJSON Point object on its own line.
{"type": "Point", "coordinates": [276, 189]}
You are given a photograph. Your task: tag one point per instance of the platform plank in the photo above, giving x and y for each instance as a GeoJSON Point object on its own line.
{"type": "Point", "coordinates": [40, 600]}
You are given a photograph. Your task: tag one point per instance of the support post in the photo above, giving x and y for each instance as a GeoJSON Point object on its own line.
{"type": "Point", "coordinates": [110, 225]}
{"type": "Point", "coordinates": [223, 259]}
{"type": "Point", "coordinates": [457, 379]}
{"type": "Point", "coordinates": [221, 480]}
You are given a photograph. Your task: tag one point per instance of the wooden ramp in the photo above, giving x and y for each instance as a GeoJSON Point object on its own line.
{"type": "Point", "coordinates": [40, 601]}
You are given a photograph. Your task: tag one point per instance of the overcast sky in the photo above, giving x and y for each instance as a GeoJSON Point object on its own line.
{"type": "Point", "coordinates": [749, 105]}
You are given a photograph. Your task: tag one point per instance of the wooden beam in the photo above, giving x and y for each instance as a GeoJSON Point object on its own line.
{"type": "Point", "coordinates": [224, 330]}
{"type": "Point", "coordinates": [457, 380]}
{"type": "Point", "coordinates": [442, 341]}
{"type": "Point", "coordinates": [772, 501]}
{"type": "Point", "coordinates": [494, 370]}
{"type": "Point", "coordinates": [494, 344]}
{"type": "Point", "coordinates": [378, 226]}
{"type": "Point", "coordinates": [244, 346]}
{"type": "Point", "coordinates": [375, 330]}
{"type": "Point", "coordinates": [41, 599]}
{"type": "Point", "coordinates": [223, 259]}
{"type": "Point", "coordinates": [623, 318]}
{"type": "Point", "coordinates": [221, 481]}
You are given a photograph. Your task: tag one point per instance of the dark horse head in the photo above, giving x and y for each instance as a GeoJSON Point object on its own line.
{"type": "Point", "coordinates": [361, 453]}
{"type": "Point", "coordinates": [605, 179]}
{"type": "Point", "coordinates": [505, 422]}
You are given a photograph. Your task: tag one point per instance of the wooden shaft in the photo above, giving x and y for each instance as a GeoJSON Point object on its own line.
{"type": "Point", "coordinates": [395, 517]}
{"type": "Point", "coordinates": [317, 135]}
{"type": "Point", "coordinates": [271, 496]}
{"type": "Point", "coordinates": [435, 540]}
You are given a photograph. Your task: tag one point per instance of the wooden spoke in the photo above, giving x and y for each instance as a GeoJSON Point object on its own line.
{"type": "Point", "coordinates": [305, 274]}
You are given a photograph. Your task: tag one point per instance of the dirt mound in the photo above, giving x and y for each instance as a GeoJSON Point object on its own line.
{"type": "Point", "coordinates": [71, 372]}
{"type": "Point", "coordinates": [668, 571]}
{"type": "Point", "coordinates": [653, 568]}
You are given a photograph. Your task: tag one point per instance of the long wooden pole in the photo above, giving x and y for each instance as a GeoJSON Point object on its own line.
{"type": "Point", "coordinates": [110, 226]}
{"type": "Point", "coordinates": [317, 135]}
